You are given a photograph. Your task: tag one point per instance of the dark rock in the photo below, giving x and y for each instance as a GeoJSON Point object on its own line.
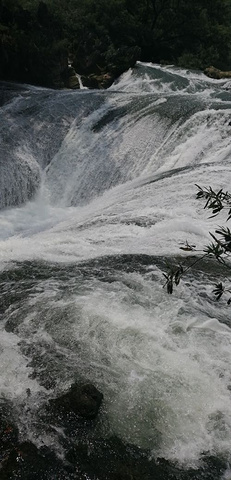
{"type": "Point", "coordinates": [100, 81]}
{"type": "Point", "coordinates": [73, 82]}
{"type": "Point", "coordinates": [70, 77]}
{"type": "Point", "coordinates": [83, 400]}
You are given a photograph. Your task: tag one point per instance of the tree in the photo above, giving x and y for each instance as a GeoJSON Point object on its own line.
{"type": "Point", "coordinates": [108, 36]}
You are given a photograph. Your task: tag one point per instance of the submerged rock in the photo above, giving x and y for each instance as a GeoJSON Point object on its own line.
{"type": "Point", "coordinates": [88, 456]}
{"type": "Point", "coordinates": [84, 400]}
{"type": "Point", "coordinates": [27, 462]}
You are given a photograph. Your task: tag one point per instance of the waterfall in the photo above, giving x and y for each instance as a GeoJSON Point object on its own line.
{"type": "Point", "coordinates": [97, 193]}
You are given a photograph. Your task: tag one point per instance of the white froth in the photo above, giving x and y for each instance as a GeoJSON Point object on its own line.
{"type": "Point", "coordinates": [14, 369]}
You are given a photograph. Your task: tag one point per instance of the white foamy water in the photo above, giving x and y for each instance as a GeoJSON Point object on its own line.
{"type": "Point", "coordinates": [120, 180]}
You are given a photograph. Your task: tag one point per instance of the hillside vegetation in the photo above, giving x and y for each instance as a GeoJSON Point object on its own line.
{"type": "Point", "coordinates": [105, 37]}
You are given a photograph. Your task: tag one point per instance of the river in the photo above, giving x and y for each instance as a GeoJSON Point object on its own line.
{"type": "Point", "coordinates": [97, 193]}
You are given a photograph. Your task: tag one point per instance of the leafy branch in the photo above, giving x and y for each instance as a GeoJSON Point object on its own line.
{"type": "Point", "coordinates": [173, 277]}
{"type": "Point", "coordinates": [219, 248]}
{"type": "Point", "coordinates": [215, 201]}
{"type": "Point", "coordinates": [175, 272]}
{"type": "Point", "coordinates": [219, 290]}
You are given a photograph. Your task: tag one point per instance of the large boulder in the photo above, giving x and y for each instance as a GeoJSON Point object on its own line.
{"type": "Point", "coordinates": [213, 72]}
{"type": "Point", "coordinates": [70, 77]}
{"type": "Point", "coordinates": [83, 400]}
{"type": "Point", "coordinates": [100, 81]}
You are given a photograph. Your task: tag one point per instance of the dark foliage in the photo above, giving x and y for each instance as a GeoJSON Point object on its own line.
{"type": "Point", "coordinates": [215, 200]}
{"type": "Point", "coordinates": [108, 36]}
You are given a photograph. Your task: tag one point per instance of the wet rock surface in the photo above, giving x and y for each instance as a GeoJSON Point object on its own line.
{"type": "Point", "coordinates": [111, 459]}
{"type": "Point", "coordinates": [84, 400]}
{"type": "Point", "coordinates": [87, 456]}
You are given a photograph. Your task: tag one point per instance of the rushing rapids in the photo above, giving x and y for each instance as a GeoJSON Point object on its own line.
{"type": "Point", "coordinates": [97, 191]}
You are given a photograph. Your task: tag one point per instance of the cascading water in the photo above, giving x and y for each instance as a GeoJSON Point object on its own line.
{"type": "Point", "coordinates": [112, 175]}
